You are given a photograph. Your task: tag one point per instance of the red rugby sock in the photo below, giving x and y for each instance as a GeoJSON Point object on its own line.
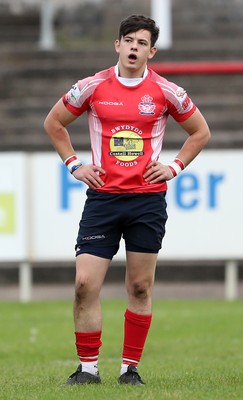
{"type": "Point", "coordinates": [136, 327]}
{"type": "Point", "coordinates": [88, 344]}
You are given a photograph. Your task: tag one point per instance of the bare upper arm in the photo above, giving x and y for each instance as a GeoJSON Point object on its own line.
{"type": "Point", "coordinates": [59, 114]}
{"type": "Point", "coordinates": [196, 122]}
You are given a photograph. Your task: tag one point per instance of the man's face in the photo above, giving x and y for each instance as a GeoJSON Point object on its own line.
{"type": "Point", "coordinates": [134, 51]}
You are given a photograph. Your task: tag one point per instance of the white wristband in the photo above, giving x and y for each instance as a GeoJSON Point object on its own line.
{"type": "Point", "coordinates": [176, 167]}
{"type": "Point", "coordinates": [72, 163]}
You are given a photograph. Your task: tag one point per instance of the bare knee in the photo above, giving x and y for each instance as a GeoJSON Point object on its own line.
{"type": "Point", "coordinates": [140, 290]}
{"type": "Point", "coordinates": [81, 290]}
{"type": "Point", "coordinates": [86, 291]}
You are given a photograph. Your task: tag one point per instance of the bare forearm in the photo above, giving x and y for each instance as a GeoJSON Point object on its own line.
{"type": "Point", "coordinates": [55, 126]}
{"type": "Point", "coordinates": [60, 139]}
{"type": "Point", "coordinates": [198, 136]}
{"type": "Point", "coordinates": [193, 146]}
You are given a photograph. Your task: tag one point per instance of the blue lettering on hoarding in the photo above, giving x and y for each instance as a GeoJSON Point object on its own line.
{"type": "Point", "coordinates": [213, 182]}
{"type": "Point", "coordinates": [68, 184]}
{"type": "Point", "coordinates": [187, 190]}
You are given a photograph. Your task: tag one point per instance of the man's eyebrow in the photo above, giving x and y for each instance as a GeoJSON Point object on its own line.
{"type": "Point", "coordinates": [140, 39]}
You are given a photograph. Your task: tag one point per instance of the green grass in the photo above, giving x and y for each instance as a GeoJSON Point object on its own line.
{"type": "Point", "coordinates": [194, 351]}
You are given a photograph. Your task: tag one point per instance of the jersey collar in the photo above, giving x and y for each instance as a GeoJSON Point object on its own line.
{"type": "Point", "coordinates": [130, 81]}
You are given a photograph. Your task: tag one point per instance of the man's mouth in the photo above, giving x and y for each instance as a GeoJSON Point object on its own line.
{"type": "Point", "coordinates": [132, 57]}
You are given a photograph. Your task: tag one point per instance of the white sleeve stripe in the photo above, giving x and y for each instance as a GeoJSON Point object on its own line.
{"type": "Point", "coordinates": [94, 82]}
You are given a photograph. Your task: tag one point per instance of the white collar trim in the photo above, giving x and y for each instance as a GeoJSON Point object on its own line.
{"type": "Point", "coordinates": [130, 81]}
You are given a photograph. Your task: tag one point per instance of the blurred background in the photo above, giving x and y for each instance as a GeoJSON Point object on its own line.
{"type": "Point", "coordinates": [46, 46]}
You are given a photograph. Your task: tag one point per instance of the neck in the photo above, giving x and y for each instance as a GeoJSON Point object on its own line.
{"type": "Point", "coordinates": [127, 73]}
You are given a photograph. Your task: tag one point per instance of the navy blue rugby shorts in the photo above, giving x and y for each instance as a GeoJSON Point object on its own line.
{"type": "Point", "coordinates": [139, 218]}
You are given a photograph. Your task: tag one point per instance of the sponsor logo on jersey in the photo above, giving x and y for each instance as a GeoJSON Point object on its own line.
{"type": "Point", "coordinates": [186, 103]}
{"type": "Point", "coordinates": [183, 98]}
{"type": "Point", "coordinates": [111, 103]}
{"type": "Point", "coordinates": [146, 106]}
{"type": "Point", "coordinates": [180, 92]}
{"type": "Point", "coordinates": [126, 145]}
{"type": "Point", "coordinates": [73, 95]}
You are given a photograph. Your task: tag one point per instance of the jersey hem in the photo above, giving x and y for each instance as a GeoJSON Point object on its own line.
{"type": "Point", "coordinates": [135, 191]}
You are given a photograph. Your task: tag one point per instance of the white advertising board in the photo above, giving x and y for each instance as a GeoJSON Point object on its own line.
{"type": "Point", "coordinates": [57, 203]}
{"type": "Point", "coordinates": [205, 208]}
{"type": "Point", "coordinates": [13, 195]}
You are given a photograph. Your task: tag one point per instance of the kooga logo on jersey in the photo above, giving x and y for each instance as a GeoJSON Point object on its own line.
{"type": "Point", "coordinates": [111, 103]}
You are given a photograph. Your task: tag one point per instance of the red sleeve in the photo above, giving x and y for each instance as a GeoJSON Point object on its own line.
{"type": "Point", "coordinates": [180, 117]}
{"type": "Point", "coordinates": [74, 110]}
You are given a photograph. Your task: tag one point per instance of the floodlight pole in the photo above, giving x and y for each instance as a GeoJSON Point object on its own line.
{"type": "Point", "coordinates": [47, 36]}
{"type": "Point", "coordinates": [161, 13]}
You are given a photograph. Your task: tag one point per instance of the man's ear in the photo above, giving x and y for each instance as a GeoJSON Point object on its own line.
{"type": "Point", "coordinates": [117, 45]}
{"type": "Point", "coordinates": [153, 51]}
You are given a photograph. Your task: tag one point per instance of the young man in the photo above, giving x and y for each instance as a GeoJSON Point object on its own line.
{"type": "Point", "coordinates": [128, 106]}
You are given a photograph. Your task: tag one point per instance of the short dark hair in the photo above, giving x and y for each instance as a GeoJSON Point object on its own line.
{"type": "Point", "coordinates": [136, 22]}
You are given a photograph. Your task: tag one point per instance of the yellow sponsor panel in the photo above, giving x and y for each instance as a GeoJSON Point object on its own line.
{"type": "Point", "coordinates": [126, 146]}
{"type": "Point", "coordinates": [7, 213]}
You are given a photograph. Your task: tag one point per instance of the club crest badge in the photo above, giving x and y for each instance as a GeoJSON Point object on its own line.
{"type": "Point", "coordinates": [146, 106]}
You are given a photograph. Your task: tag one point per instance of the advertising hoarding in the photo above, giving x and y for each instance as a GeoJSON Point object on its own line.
{"type": "Point", "coordinates": [41, 205]}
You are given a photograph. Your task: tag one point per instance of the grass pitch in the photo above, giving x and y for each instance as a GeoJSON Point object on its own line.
{"type": "Point", "coordinates": [194, 351]}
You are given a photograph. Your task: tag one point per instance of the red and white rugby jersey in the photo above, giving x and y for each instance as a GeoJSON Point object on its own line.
{"type": "Point", "coordinates": [127, 125]}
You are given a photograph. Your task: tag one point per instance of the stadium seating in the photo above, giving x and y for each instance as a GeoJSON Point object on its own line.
{"type": "Point", "coordinates": [32, 80]}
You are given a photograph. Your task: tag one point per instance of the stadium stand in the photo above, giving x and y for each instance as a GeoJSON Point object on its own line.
{"type": "Point", "coordinates": [31, 80]}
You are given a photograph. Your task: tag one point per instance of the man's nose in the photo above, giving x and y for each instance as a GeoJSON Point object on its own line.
{"type": "Point", "coordinates": [134, 46]}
